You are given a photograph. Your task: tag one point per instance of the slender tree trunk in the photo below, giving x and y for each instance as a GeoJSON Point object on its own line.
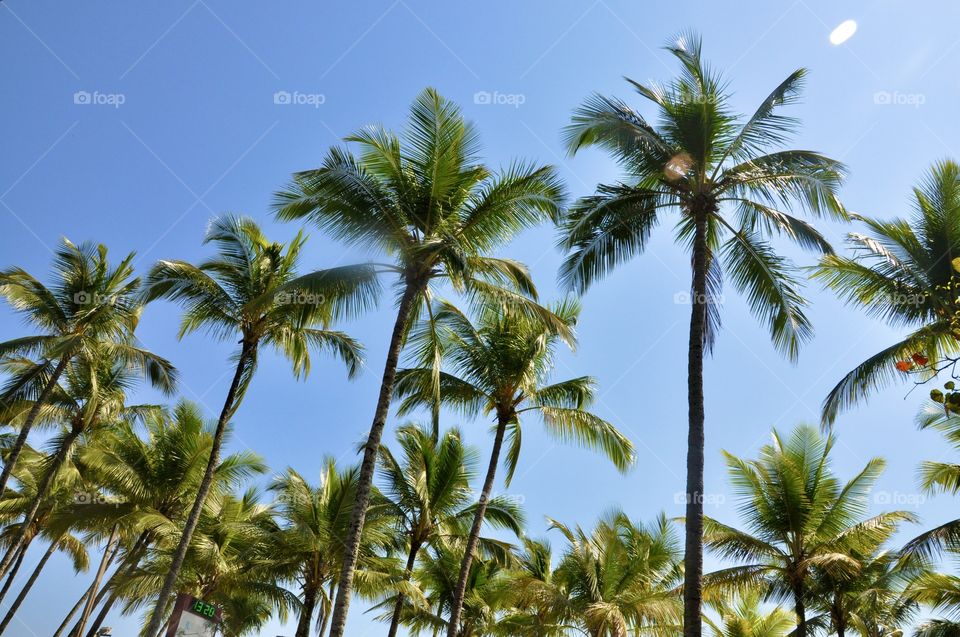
{"type": "Point", "coordinates": [104, 561]}
{"type": "Point", "coordinates": [370, 450]}
{"type": "Point", "coordinates": [306, 614]}
{"type": "Point", "coordinates": [801, 610]}
{"type": "Point", "coordinates": [156, 620]}
{"type": "Point", "coordinates": [26, 587]}
{"type": "Point", "coordinates": [43, 488]}
{"type": "Point", "coordinates": [456, 605]}
{"type": "Point", "coordinates": [324, 623]}
{"type": "Point", "coordinates": [73, 611]}
{"type": "Point", "coordinates": [17, 448]}
{"type": "Point", "coordinates": [129, 563]}
{"type": "Point", "coordinates": [407, 574]}
{"type": "Point", "coordinates": [13, 572]}
{"type": "Point", "coordinates": [693, 545]}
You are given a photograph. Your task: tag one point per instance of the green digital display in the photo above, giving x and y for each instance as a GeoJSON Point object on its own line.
{"type": "Point", "coordinates": [203, 609]}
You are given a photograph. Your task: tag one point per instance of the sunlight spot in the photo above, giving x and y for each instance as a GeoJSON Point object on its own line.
{"type": "Point", "coordinates": [843, 32]}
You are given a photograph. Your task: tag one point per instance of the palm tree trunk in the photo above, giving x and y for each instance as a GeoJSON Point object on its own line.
{"type": "Point", "coordinates": [129, 563]}
{"type": "Point", "coordinates": [73, 611]}
{"type": "Point", "coordinates": [29, 584]}
{"type": "Point", "coordinates": [17, 448]}
{"type": "Point", "coordinates": [351, 552]}
{"type": "Point", "coordinates": [801, 611]}
{"type": "Point", "coordinates": [43, 488]}
{"type": "Point", "coordinates": [693, 544]}
{"type": "Point", "coordinates": [156, 620]}
{"type": "Point", "coordinates": [104, 561]}
{"type": "Point", "coordinates": [407, 574]}
{"type": "Point", "coordinates": [306, 613]}
{"type": "Point", "coordinates": [456, 605]}
{"type": "Point", "coordinates": [13, 572]}
{"type": "Point", "coordinates": [326, 618]}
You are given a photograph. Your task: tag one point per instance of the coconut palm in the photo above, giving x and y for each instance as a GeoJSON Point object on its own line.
{"type": "Point", "coordinates": [801, 520]}
{"type": "Point", "coordinates": [146, 479]}
{"type": "Point", "coordinates": [743, 616]}
{"type": "Point", "coordinates": [91, 398]}
{"type": "Point", "coordinates": [90, 306]}
{"type": "Point", "coordinates": [732, 185]}
{"type": "Point", "coordinates": [425, 199]}
{"type": "Point", "coordinates": [430, 496]}
{"type": "Point", "coordinates": [940, 591]}
{"type": "Point", "coordinates": [540, 604]}
{"type": "Point", "coordinates": [501, 366]}
{"type": "Point", "coordinates": [309, 547]}
{"type": "Point", "coordinates": [250, 291]}
{"type": "Point", "coordinates": [621, 577]}
{"type": "Point", "coordinates": [902, 272]}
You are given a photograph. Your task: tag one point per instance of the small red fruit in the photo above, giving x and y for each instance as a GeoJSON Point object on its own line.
{"type": "Point", "coordinates": [904, 366]}
{"type": "Point", "coordinates": [920, 359]}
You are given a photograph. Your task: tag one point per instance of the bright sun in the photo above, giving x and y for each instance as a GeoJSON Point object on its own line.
{"type": "Point", "coordinates": [843, 32]}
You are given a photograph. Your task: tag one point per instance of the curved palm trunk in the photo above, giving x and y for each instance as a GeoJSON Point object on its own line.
{"type": "Point", "coordinates": [456, 605]}
{"type": "Point", "coordinates": [18, 445]}
{"type": "Point", "coordinates": [73, 611]}
{"type": "Point", "coordinates": [310, 594]}
{"type": "Point", "coordinates": [104, 562]}
{"type": "Point", "coordinates": [407, 574]}
{"type": "Point", "coordinates": [43, 488]}
{"type": "Point", "coordinates": [370, 450]}
{"type": "Point", "coordinates": [27, 586]}
{"type": "Point", "coordinates": [156, 620]}
{"type": "Point", "coordinates": [693, 540]}
{"type": "Point", "coordinates": [13, 571]}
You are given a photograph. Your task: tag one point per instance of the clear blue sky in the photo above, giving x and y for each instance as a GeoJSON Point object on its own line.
{"type": "Point", "coordinates": [198, 133]}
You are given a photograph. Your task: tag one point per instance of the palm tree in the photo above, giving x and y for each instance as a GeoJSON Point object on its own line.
{"type": "Point", "coordinates": [540, 603]}
{"type": "Point", "coordinates": [309, 546]}
{"type": "Point", "coordinates": [502, 366]}
{"type": "Point", "coordinates": [147, 479]}
{"type": "Point", "coordinates": [903, 272]}
{"type": "Point", "coordinates": [429, 493]}
{"type": "Point", "coordinates": [92, 397]}
{"type": "Point", "coordinates": [90, 306]}
{"type": "Point", "coordinates": [743, 616]}
{"type": "Point", "coordinates": [729, 180]}
{"type": "Point", "coordinates": [802, 520]}
{"type": "Point", "coordinates": [250, 290]}
{"type": "Point", "coordinates": [939, 477]}
{"type": "Point", "coordinates": [621, 578]}
{"type": "Point", "coordinates": [427, 200]}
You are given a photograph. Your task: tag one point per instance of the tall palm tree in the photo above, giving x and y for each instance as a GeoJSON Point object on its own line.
{"type": "Point", "coordinates": [148, 478]}
{"type": "Point", "coordinates": [90, 305]}
{"type": "Point", "coordinates": [250, 291]}
{"type": "Point", "coordinates": [743, 616]}
{"type": "Point", "coordinates": [903, 272]}
{"type": "Point", "coordinates": [502, 366]}
{"type": "Point", "coordinates": [801, 520]}
{"type": "Point", "coordinates": [93, 397]}
{"type": "Point", "coordinates": [429, 493]}
{"type": "Point", "coordinates": [621, 577]}
{"type": "Point", "coordinates": [540, 603]}
{"type": "Point", "coordinates": [309, 546]}
{"type": "Point", "coordinates": [425, 199]}
{"type": "Point", "coordinates": [731, 184]}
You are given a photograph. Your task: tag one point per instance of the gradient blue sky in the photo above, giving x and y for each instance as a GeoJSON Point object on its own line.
{"type": "Point", "coordinates": [199, 133]}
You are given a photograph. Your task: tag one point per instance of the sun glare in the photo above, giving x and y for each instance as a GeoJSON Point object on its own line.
{"type": "Point", "coordinates": [843, 32]}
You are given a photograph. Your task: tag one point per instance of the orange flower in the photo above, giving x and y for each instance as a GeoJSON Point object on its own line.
{"type": "Point", "coordinates": [904, 366]}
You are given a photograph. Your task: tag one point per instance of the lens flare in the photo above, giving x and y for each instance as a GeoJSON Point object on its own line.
{"type": "Point", "coordinates": [843, 32]}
